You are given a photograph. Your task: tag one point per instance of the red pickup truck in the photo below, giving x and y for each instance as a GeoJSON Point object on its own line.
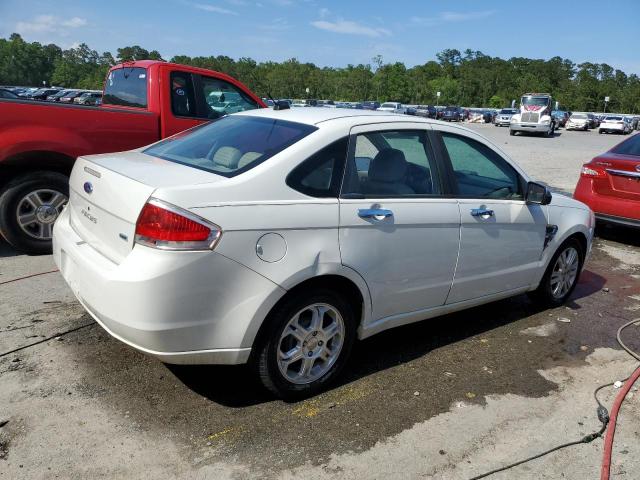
{"type": "Point", "coordinates": [143, 102]}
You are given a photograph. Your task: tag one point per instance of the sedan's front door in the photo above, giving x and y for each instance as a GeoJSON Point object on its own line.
{"type": "Point", "coordinates": [501, 236]}
{"type": "Point", "coordinates": [396, 229]}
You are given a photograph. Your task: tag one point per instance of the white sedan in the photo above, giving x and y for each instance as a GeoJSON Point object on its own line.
{"type": "Point", "coordinates": [278, 238]}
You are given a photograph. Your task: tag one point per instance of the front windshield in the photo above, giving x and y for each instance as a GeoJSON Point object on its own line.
{"type": "Point", "coordinates": [535, 101]}
{"type": "Point", "coordinates": [388, 105]}
{"type": "Point", "coordinates": [613, 119]}
{"type": "Point", "coordinates": [578, 116]}
{"type": "Point", "coordinates": [508, 111]}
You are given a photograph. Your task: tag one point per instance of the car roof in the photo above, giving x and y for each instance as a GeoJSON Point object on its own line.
{"type": "Point", "coordinates": [317, 115]}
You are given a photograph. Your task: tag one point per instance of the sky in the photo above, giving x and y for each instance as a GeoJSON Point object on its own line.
{"type": "Point", "coordinates": [337, 33]}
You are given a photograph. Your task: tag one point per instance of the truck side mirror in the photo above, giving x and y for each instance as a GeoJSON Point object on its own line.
{"type": "Point", "coordinates": [538, 194]}
{"type": "Point", "coordinates": [281, 105]}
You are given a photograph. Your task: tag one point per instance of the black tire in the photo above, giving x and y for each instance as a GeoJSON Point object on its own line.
{"type": "Point", "coordinates": [264, 360]}
{"type": "Point", "coordinates": [543, 294]}
{"type": "Point", "coordinates": [10, 198]}
{"type": "Point", "coordinates": [512, 133]}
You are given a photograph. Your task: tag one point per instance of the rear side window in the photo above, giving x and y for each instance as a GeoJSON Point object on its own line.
{"type": "Point", "coordinates": [629, 147]}
{"type": "Point", "coordinates": [231, 145]}
{"type": "Point", "coordinates": [183, 103]}
{"type": "Point", "coordinates": [321, 174]}
{"type": "Point", "coordinates": [127, 87]}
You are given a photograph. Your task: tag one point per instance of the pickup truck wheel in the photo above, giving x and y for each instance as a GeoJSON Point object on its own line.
{"type": "Point", "coordinates": [29, 205]}
{"type": "Point", "coordinates": [309, 340]}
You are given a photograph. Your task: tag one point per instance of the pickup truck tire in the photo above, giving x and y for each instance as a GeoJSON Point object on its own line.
{"type": "Point", "coordinates": [29, 204]}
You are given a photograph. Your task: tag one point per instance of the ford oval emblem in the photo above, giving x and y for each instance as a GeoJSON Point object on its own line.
{"type": "Point", "coordinates": [88, 187]}
{"type": "Point", "coordinates": [638, 168]}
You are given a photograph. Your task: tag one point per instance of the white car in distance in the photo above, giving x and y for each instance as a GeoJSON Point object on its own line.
{"type": "Point", "coordinates": [279, 238]}
{"type": "Point", "coordinates": [614, 124]}
{"type": "Point", "coordinates": [392, 107]}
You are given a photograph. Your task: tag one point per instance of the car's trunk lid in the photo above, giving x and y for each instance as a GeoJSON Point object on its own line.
{"type": "Point", "coordinates": [107, 193]}
{"type": "Point", "coordinates": [623, 176]}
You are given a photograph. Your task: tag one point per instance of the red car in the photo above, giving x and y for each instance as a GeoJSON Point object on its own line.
{"type": "Point", "coordinates": [610, 184]}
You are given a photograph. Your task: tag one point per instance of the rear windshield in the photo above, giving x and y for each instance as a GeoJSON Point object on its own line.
{"type": "Point", "coordinates": [613, 119]}
{"type": "Point", "coordinates": [126, 86]}
{"type": "Point", "coordinates": [232, 144]}
{"type": "Point", "coordinates": [579, 116]}
{"type": "Point", "coordinates": [629, 147]}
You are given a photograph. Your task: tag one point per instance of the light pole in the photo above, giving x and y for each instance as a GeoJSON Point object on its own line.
{"type": "Point", "coordinates": [606, 100]}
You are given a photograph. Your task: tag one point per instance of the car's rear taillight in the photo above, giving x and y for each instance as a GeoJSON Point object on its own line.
{"type": "Point", "coordinates": [591, 171]}
{"type": "Point", "coordinates": [165, 226]}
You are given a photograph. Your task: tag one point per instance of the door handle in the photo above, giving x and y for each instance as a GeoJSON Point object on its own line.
{"type": "Point", "coordinates": [375, 213]}
{"type": "Point", "coordinates": [481, 212]}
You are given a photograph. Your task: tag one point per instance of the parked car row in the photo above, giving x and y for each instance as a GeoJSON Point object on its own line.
{"type": "Point", "coordinates": [53, 94]}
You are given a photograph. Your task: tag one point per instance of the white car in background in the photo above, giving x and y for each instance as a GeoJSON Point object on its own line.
{"type": "Point", "coordinates": [578, 121]}
{"type": "Point", "coordinates": [279, 238]}
{"type": "Point", "coordinates": [614, 124]}
{"type": "Point", "coordinates": [392, 107]}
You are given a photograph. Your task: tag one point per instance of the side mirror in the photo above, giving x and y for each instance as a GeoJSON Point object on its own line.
{"type": "Point", "coordinates": [538, 194]}
{"type": "Point", "coordinates": [281, 105]}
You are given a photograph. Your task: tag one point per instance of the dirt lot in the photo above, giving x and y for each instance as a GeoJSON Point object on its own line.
{"type": "Point", "coordinates": [448, 398]}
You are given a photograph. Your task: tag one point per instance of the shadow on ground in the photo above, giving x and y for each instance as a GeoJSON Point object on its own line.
{"type": "Point", "coordinates": [383, 351]}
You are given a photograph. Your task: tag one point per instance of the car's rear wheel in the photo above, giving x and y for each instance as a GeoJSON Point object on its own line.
{"type": "Point", "coordinates": [29, 206]}
{"type": "Point", "coordinates": [307, 344]}
{"type": "Point", "coordinates": [562, 274]}
{"type": "Point", "coordinates": [512, 132]}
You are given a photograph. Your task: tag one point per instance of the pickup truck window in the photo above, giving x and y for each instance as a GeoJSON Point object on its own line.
{"type": "Point", "coordinates": [223, 98]}
{"type": "Point", "coordinates": [231, 145]}
{"type": "Point", "coordinates": [126, 86]}
{"type": "Point", "coordinates": [182, 100]}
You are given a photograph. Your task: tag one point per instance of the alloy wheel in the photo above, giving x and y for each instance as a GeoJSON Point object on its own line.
{"type": "Point", "coordinates": [310, 343]}
{"type": "Point", "coordinates": [565, 272]}
{"type": "Point", "coordinates": [38, 210]}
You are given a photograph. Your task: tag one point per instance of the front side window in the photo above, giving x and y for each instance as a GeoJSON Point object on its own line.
{"type": "Point", "coordinates": [223, 98]}
{"type": "Point", "coordinates": [479, 171]}
{"type": "Point", "coordinates": [231, 145]}
{"type": "Point", "coordinates": [321, 174]}
{"type": "Point", "coordinates": [126, 86]}
{"type": "Point", "coordinates": [391, 164]}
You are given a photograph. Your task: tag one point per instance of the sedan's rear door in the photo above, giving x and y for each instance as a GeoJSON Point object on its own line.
{"type": "Point", "coordinates": [397, 230]}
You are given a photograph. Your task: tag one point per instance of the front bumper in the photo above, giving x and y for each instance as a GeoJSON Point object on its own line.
{"type": "Point", "coordinates": [181, 307]}
{"type": "Point", "coordinates": [529, 127]}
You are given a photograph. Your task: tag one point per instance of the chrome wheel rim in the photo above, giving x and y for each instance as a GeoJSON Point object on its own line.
{"type": "Point", "coordinates": [310, 343]}
{"type": "Point", "coordinates": [565, 272]}
{"type": "Point", "coordinates": [38, 210]}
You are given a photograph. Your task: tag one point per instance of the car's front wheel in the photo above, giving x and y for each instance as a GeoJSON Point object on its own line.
{"type": "Point", "coordinates": [308, 341]}
{"type": "Point", "coordinates": [562, 274]}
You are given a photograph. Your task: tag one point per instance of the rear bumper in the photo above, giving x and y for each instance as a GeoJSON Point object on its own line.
{"type": "Point", "coordinates": [181, 307]}
{"type": "Point", "coordinates": [623, 211]}
{"type": "Point", "coordinates": [627, 222]}
{"type": "Point", "coordinates": [529, 127]}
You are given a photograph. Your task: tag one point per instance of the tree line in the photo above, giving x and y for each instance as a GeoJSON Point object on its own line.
{"type": "Point", "coordinates": [468, 78]}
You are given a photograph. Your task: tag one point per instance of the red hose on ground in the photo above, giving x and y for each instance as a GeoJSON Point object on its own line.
{"type": "Point", "coordinates": [608, 440]}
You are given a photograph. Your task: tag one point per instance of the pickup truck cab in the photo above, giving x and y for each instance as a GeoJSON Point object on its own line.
{"type": "Point", "coordinates": [143, 102]}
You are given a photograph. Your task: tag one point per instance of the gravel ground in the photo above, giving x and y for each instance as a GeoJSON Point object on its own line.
{"type": "Point", "coordinates": [447, 399]}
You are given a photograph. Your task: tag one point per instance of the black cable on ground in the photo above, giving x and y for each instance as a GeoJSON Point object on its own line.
{"type": "Point", "coordinates": [28, 276]}
{"type": "Point", "coordinates": [603, 415]}
{"type": "Point", "coordinates": [4, 354]}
